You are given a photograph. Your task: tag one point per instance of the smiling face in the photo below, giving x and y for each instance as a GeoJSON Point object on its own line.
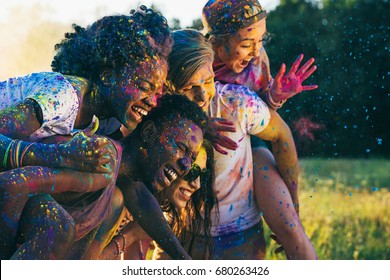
{"type": "Point", "coordinates": [134, 90]}
{"type": "Point", "coordinates": [180, 192]}
{"type": "Point", "coordinates": [242, 47]}
{"type": "Point", "coordinates": [200, 87]}
{"type": "Point", "coordinates": [171, 154]}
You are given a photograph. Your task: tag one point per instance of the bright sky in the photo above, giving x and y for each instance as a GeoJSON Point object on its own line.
{"type": "Point", "coordinates": [84, 12]}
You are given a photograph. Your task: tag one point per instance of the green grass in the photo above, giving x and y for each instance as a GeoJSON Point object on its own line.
{"type": "Point", "coordinates": [344, 207]}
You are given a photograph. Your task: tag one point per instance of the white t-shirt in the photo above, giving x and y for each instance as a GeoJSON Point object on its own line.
{"type": "Point", "coordinates": [54, 94]}
{"type": "Point", "coordinates": [234, 177]}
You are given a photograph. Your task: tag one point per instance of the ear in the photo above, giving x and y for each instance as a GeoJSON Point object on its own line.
{"type": "Point", "coordinates": [106, 77]}
{"type": "Point", "coordinates": [149, 132]}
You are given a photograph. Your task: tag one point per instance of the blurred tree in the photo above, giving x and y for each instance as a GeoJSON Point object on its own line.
{"type": "Point", "coordinates": [175, 24]}
{"type": "Point", "coordinates": [349, 112]}
{"type": "Point", "coordinates": [197, 24]}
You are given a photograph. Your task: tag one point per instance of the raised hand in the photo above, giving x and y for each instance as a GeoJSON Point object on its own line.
{"type": "Point", "coordinates": [214, 127]}
{"type": "Point", "coordinates": [87, 152]}
{"type": "Point", "coordinates": [287, 86]}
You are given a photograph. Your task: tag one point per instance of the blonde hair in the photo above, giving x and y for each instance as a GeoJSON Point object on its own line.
{"type": "Point", "coordinates": [189, 53]}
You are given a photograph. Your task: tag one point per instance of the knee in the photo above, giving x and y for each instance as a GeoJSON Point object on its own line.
{"type": "Point", "coordinates": [46, 222]}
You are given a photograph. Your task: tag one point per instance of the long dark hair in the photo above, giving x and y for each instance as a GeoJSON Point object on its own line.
{"type": "Point", "coordinates": [194, 219]}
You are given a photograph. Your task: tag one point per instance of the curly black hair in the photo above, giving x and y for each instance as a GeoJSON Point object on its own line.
{"type": "Point", "coordinates": [113, 42]}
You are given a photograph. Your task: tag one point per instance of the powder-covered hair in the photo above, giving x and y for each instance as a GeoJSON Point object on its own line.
{"type": "Point", "coordinates": [171, 107]}
{"type": "Point", "coordinates": [113, 42]}
{"type": "Point", "coordinates": [189, 53]}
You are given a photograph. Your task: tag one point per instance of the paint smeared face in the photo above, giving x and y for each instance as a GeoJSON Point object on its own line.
{"type": "Point", "coordinates": [135, 90]}
{"type": "Point", "coordinates": [172, 154]}
{"type": "Point", "coordinates": [200, 87]}
{"type": "Point", "coordinates": [243, 46]}
{"type": "Point", "coordinates": [180, 192]}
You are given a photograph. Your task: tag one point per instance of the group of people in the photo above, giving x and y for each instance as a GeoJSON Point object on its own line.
{"type": "Point", "coordinates": [141, 134]}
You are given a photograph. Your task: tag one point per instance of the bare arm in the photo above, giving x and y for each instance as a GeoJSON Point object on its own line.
{"type": "Point", "coordinates": [83, 152]}
{"type": "Point", "coordinates": [284, 151]}
{"type": "Point", "coordinates": [147, 212]}
{"type": "Point", "coordinates": [32, 180]}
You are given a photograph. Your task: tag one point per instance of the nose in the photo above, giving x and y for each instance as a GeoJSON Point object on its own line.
{"type": "Point", "coordinates": [152, 100]}
{"type": "Point", "coordinates": [201, 94]}
{"type": "Point", "coordinates": [195, 185]}
{"type": "Point", "coordinates": [185, 164]}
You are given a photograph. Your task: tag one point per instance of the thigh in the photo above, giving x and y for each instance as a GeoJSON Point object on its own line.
{"type": "Point", "coordinates": [45, 231]}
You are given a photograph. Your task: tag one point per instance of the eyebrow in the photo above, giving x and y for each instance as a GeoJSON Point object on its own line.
{"type": "Point", "coordinates": [206, 79]}
{"type": "Point", "coordinates": [152, 85]}
{"type": "Point", "coordinates": [251, 39]}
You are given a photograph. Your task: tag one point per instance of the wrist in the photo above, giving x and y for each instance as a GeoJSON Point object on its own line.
{"type": "Point", "coordinates": [49, 155]}
{"type": "Point", "coordinates": [272, 103]}
{"type": "Point", "coordinates": [120, 244]}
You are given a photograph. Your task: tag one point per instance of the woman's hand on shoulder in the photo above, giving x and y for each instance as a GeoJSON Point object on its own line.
{"type": "Point", "coordinates": [219, 141]}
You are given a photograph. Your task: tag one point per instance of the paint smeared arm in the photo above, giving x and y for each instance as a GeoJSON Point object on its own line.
{"type": "Point", "coordinates": [84, 152]}
{"type": "Point", "coordinates": [33, 180]}
{"type": "Point", "coordinates": [147, 212]}
{"type": "Point", "coordinates": [284, 151]}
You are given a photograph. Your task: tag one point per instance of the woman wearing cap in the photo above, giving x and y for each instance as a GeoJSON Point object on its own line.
{"type": "Point", "coordinates": [237, 233]}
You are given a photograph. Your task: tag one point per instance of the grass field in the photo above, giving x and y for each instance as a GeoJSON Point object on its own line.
{"type": "Point", "coordinates": [345, 208]}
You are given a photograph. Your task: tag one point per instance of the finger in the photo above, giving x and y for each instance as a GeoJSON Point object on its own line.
{"type": "Point", "coordinates": [104, 160]}
{"type": "Point", "coordinates": [279, 250]}
{"type": "Point", "coordinates": [311, 87]}
{"type": "Point", "coordinates": [92, 128]}
{"type": "Point", "coordinates": [226, 142]}
{"type": "Point", "coordinates": [295, 65]}
{"type": "Point", "coordinates": [103, 168]}
{"type": "Point", "coordinates": [273, 236]}
{"type": "Point", "coordinates": [280, 74]}
{"type": "Point", "coordinates": [308, 73]}
{"type": "Point", "coordinates": [228, 128]}
{"type": "Point", "coordinates": [221, 121]}
{"type": "Point", "coordinates": [305, 67]}
{"type": "Point", "coordinates": [219, 150]}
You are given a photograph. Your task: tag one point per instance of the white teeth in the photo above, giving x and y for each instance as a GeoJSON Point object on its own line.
{"type": "Point", "coordinates": [171, 172]}
{"type": "Point", "coordinates": [140, 110]}
{"type": "Point", "coordinates": [186, 193]}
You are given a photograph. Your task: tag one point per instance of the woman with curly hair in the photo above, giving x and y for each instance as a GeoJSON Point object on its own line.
{"type": "Point", "coordinates": [113, 68]}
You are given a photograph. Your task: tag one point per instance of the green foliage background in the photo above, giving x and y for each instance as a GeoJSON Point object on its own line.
{"type": "Point", "coordinates": [344, 198]}
{"type": "Point", "coordinates": [344, 209]}
{"type": "Point", "coordinates": [351, 43]}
